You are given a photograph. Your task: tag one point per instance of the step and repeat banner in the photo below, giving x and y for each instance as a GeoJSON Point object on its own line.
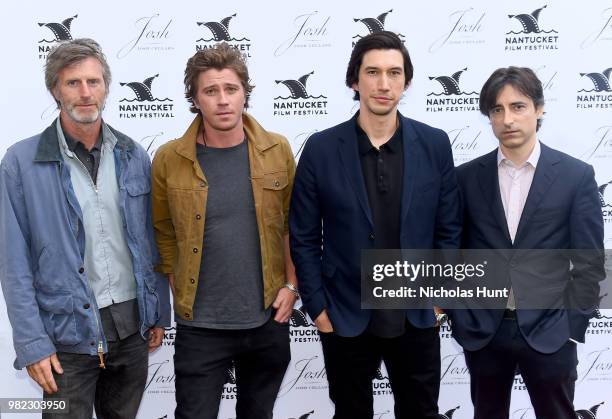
{"type": "Point", "coordinates": [455, 45]}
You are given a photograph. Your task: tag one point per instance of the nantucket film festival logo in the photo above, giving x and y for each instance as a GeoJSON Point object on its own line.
{"type": "Point", "coordinates": [301, 329]}
{"type": "Point", "coordinates": [296, 100]}
{"type": "Point", "coordinates": [380, 384]}
{"type": "Point", "coordinates": [230, 390]}
{"type": "Point", "coordinates": [601, 323]}
{"type": "Point", "coordinates": [448, 95]}
{"type": "Point", "coordinates": [448, 414]}
{"type": "Point", "coordinates": [141, 103]}
{"type": "Point", "coordinates": [54, 32]}
{"type": "Point", "coordinates": [373, 25]}
{"type": "Point", "coordinates": [601, 31]}
{"type": "Point", "coordinates": [150, 34]}
{"type": "Point", "coordinates": [214, 32]}
{"type": "Point", "coordinates": [596, 93]}
{"type": "Point", "coordinates": [309, 30]}
{"type": "Point", "coordinates": [527, 35]}
{"type": "Point", "coordinates": [465, 27]}
{"type": "Point", "coordinates": [605, 198]}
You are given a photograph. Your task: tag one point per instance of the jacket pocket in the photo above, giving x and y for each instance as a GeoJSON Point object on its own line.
{"type": "Point", "coordinates": [58, 317]}
{"type": "Point", "coordinates": [274, 190]}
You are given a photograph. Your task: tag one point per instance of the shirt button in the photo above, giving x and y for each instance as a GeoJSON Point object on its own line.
{"type": "Point", "coordinates": [86, 306]}
{"type": "Point", "coordinates": [372, 237]}
{"type": "Point", "coordinates": [81, 270]}
{"type": "Point", "coordinates": [198, 216]}
{"type": "Point", "coordinates": [195, 250]}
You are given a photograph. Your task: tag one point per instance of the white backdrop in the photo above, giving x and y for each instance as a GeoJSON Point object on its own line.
{"type": "Point", "coordinates": [454, 45]}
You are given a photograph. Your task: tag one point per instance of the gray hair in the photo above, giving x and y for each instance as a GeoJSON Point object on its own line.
{"type": "Point", "coordinates": [71, 52]}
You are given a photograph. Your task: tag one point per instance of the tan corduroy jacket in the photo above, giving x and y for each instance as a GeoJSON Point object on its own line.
{"type": "Point", "coordinates": [179, 191]}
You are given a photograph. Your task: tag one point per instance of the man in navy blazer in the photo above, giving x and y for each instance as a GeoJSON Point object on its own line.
{"type": "Point", "coordinates": [525, 195]}
{"type": "Point", "coordinates": [376, 181]}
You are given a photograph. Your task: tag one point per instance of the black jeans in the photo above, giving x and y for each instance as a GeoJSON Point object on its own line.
{"type": "Point", "coordinates": [203, 357]}
{"type": "Point", "coordinates": [115, 391]}
{"type": "Point", "coordinates": [413, 365]}
{"type": "Point", "coordinates": [549, 378]}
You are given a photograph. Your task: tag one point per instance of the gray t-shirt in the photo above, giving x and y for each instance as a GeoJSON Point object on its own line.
{"type": "Point", "coordinates": [230, 287]}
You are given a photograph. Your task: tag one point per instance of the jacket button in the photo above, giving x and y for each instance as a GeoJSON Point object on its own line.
{"type": "Point", "coordinates": [192, 281]}
{"type": "Point", "coordinates": [198, 216]}
{"type": "Point", "coordinates": [276, 183]}
{"type": "Point", "coordinates": [203, 184]}
{"type": "Point", "coordinates": [195, 250]}
{"type": "Point", "coordinates": [86, 306]}
{"type": "Point", "coordinates": [92, 343]}
{"type": "Point", "coordinates": [372, 237]}
{"type": "Point", "coordinates": [81, 270]}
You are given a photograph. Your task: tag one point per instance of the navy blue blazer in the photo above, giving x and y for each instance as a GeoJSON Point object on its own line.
{"type": "Point", "coordinates": [562, 211]}
{"type": "Point", "coordinates": [330, 221]}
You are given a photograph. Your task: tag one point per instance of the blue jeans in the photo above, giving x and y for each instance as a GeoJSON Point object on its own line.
{"type": "Point", "coordinates": [115, 391]}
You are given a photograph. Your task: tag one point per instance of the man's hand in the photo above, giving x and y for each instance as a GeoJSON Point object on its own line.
{"type": "Point", "coordinates": [156, 335]}
{"type": "Point", "coordinates": [323, 323]}
{"type": "Point", "coordinates": [171, 281]}
{"type": "Point", "coordinates": [283, 304]}
{"type": "Point", "coordinates": [41, 373]}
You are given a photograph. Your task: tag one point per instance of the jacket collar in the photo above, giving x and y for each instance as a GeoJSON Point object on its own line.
{"type": "Point", "coordinates": [256, 135]}
{"type": "Point", "coordinates": [48, 149]}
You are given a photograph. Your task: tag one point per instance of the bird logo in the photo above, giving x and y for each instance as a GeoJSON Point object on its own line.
{"type": "Point", "coordinates": [220, 30]}
{"type": "Point", "coordinates": [601, 81]}
{"type": "Point", "coordinates": [450, 84]}
{"type": "Point", "coordinates": [588, 414]}
{"type": "Point", "coordinates": [605, 195]}
{"type": "Point", "coordinates": [598, 314]}
{"type": "Point", "coordinates": [448, 414]}
{"type": "Point", "coordinates": [299, 318]}
{"type": "Point", "coordinates": [529, 22]}
{"type": "Point", "coordinates": [230, 377]}
{"type": "Point", "coordinates": [375, 24]}
{"type": "Point", "coordinates": [142, 90]}
{"type": "Point", "coordinates": [60, 30]}
{"type": "Point", "coordinates": [296, 87]}
{"type": "Point", "coordinates": [305, 415]}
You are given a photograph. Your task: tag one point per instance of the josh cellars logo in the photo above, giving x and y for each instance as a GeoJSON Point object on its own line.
{"type": "Point", "coordinates": [152, 35]}
{"type": "Point", "coordinates": [451, 98]}
{"type": "Point", "coordinates": [527, 35]}
{"type": "Point", "coordinates": [598, 94]}
{"type": "Point", "coordinates": [147, 106]}
{"type": "Point", "coordinates": [60, 32]}
{"type": "Point", "coordinates": [602, 145]}
{"type": "Point", "coordinates": [605, 198]}
{"type": "Point", "coordinates": [465, 28]}
{"type": "Point", "coordinates": [374, 24]}
{"type": "Point", "coordinates": [299, 102]}
{"type": "Point", "coordinates": [310, 31]}
{"type": "Point", "coordinates": [214, 32]}
{"type": "Point", "coordinates": [602, 32]}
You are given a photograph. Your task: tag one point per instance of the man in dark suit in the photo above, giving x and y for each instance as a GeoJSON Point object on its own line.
{"type": "Point", "coordinates": [377, 181]}
{"type": "Point", "coordinates": [525, 195]}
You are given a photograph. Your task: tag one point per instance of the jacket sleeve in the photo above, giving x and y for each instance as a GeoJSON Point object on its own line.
{"type": "Point", "coordinates": [291, 178]}
{"type": "Point", "coordinates": [31, 341]}
{"type": "Point", "coordinates": [587, 255]}
{"type": "Point", "coordinates": [448, 214]}
{"type": "Point", "coordinates": [162, 221]}
{"type": "Point", "coordinates": [305, 233]}
{"type": "Point", "coordinates": [162, 285]}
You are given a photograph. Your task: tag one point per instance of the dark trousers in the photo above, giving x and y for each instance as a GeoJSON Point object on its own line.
{"type": "Point", "coordinates": [549, 378]}
{"type": "Point", "coordinates": [413, 365]}
{"type": "Point", "coordinates": [203, 358]}
{"type": "Point", "coordinates": [115, 391]}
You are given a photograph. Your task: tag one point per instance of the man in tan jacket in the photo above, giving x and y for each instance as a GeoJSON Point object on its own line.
{"type": "Point", "coordinates": [220, 210]}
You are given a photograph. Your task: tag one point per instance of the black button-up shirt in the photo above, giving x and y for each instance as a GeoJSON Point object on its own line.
{"type": "Point", "coordinates": [89, 158]}
{"type": "Point", "coordinates": [383, 171]}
